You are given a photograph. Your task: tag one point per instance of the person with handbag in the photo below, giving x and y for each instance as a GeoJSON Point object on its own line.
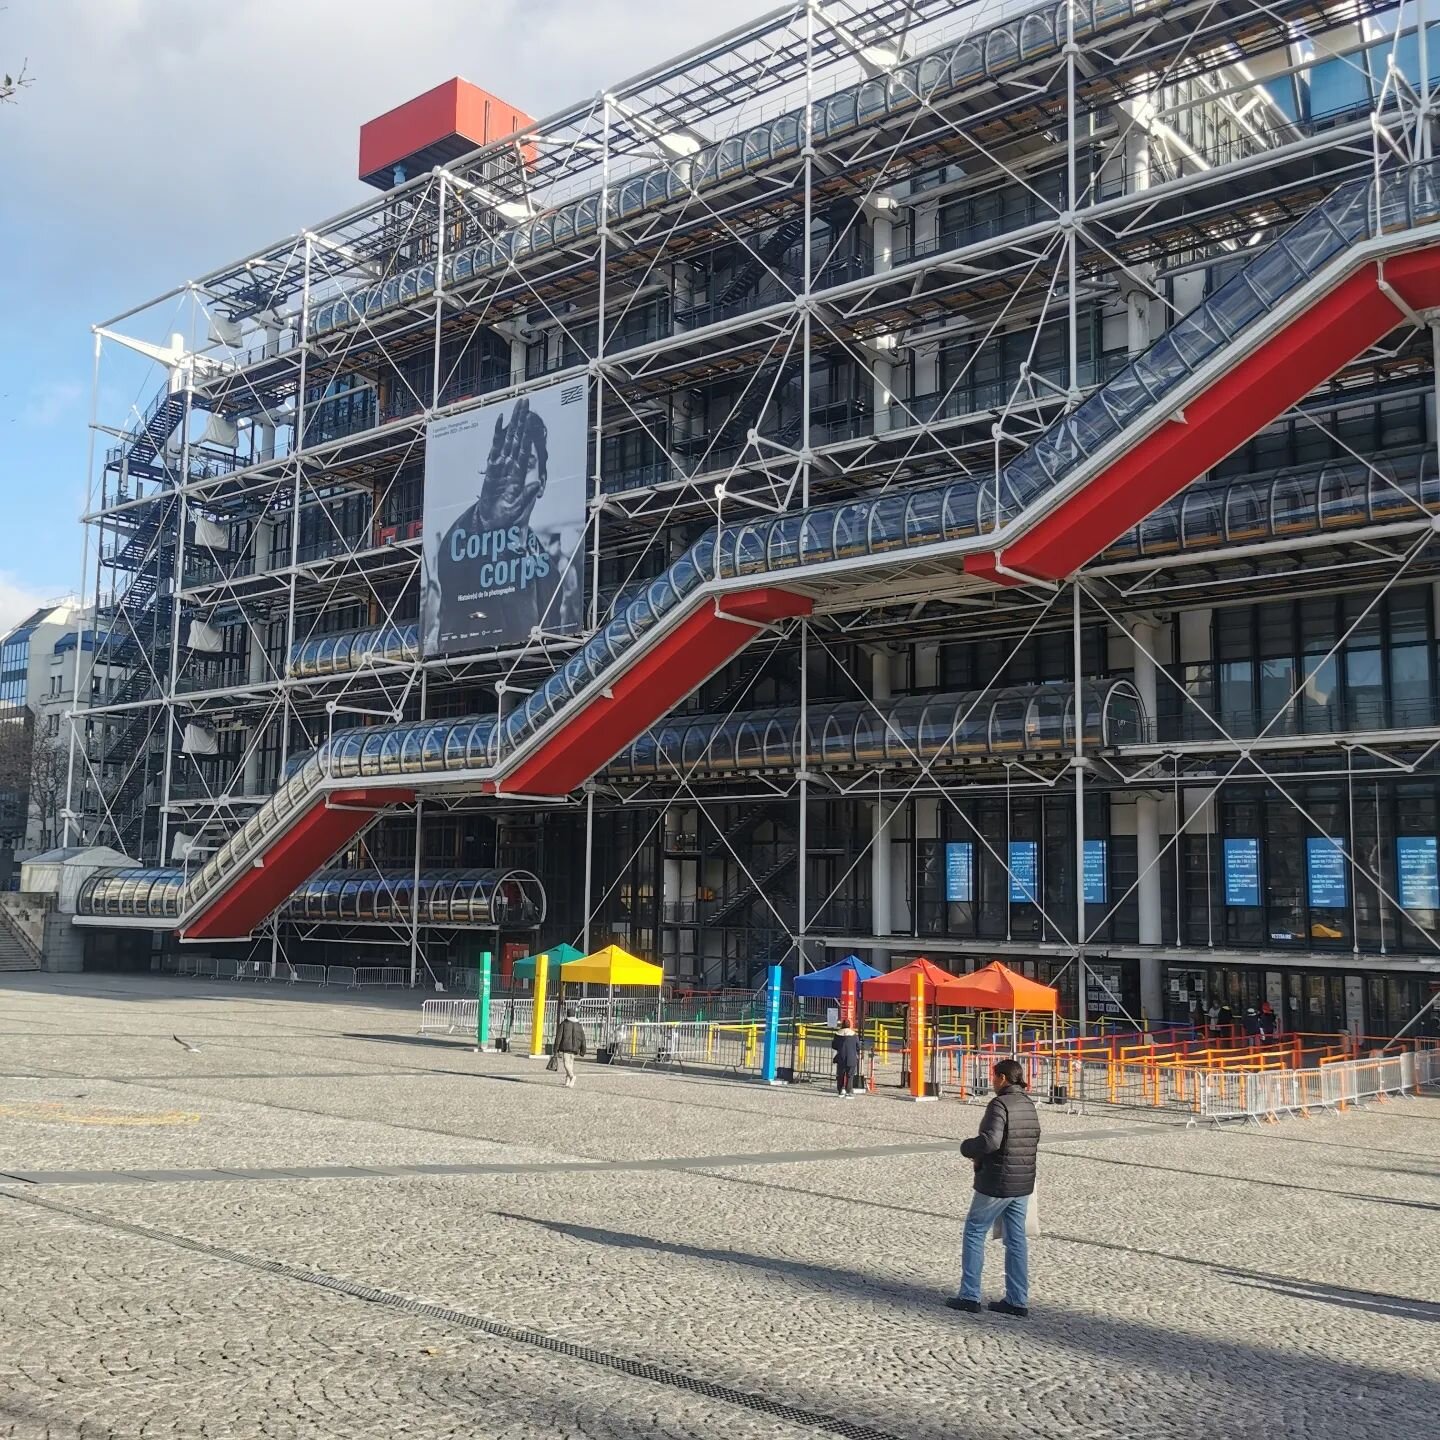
{"type": "Point", "coordinates": [569, 1042]}
{"type": "Point", "coordinates": [1003, 1154]}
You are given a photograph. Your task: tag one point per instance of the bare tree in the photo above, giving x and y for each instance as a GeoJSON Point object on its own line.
{"type": "Point", "coordinates": [17, 743]}
{"type": "Point", "coordinates": [48, 768]}
{"type": "Point", "coordinates": [12, 85]}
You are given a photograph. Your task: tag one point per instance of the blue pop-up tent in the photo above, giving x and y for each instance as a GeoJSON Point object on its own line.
{"type": "Point", "coordinates": [826, 983]}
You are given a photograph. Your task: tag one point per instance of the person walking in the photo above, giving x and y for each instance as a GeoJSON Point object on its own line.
{"type": "Point", "coordinates": [1004, 1157]}
{"type": "Point", "coordinates": [569, 1042]}
{"type": "Point", "coordinates": [846, 1046]}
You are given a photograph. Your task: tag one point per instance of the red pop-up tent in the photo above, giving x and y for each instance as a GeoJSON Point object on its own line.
{"type": "Point", "coordinates": [997, 987]}
{"type": "Point", "coordinates": [895, 986]}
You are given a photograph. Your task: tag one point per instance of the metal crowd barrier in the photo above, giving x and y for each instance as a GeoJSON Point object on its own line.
{"type": "Point", "coordinates": [304, 974]}
{"type": "Point", "coordinates": [340, 975]}
{"type": "Point", "coordinates": [448, 1016]}
{"type": "Point", "coordinates": [386, 975]}
{"type": "Point", "coordinates": [690, 1043]}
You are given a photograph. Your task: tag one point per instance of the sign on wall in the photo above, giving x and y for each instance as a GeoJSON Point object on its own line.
{"type": "Point", "coordinates": [1242, 872]}
{"type": "Point", "coordinates": [1328, 872]}
{"type": "Point", "coordinates": [1024, 872]}
{"type": "Point", "coordinates": [959, 872]}
{"type": "Point", "coordinates": [505, 488]}
{"type": "Point", "coordinates": [1097, 877]}
{"type": "Point", "coordinates": [1418, 874]}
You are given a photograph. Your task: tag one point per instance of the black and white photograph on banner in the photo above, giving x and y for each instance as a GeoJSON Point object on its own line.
{"type": "Point", "coordinates": [505, 488]}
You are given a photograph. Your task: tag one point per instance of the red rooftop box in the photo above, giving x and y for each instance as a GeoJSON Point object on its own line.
{"type": "Point", "coordinates": [433, 129]}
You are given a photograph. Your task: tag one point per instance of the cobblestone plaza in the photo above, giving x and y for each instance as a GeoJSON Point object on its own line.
{"type": "Point", "coordinates": [314, 1224]}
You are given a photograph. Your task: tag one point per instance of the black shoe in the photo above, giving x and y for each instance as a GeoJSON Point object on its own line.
{"type": "Point", "coordinates": [1004, 1307]}
{"type": "Point", "coordinates": [970, 1307]}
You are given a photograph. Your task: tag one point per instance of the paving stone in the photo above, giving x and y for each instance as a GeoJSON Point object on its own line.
{"type": "Point", "coordinates": [398, 1250]}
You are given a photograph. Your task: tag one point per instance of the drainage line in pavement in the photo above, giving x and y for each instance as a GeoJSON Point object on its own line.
{"type": "Point", "coordinates": [535, 1339]}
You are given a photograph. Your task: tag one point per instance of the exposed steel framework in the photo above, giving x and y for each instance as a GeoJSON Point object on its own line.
{"type": "Point", "coordinates": [899, 320]}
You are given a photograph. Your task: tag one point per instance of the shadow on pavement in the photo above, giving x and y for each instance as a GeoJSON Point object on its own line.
{"type": "Point", "coordinates": [1113, 1339]}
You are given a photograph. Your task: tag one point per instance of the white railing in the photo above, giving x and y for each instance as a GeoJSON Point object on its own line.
{"type": "Point", "coordinates": [449, 1017]}
{"type": "Point", "coordinates": [386, 975]}
{"type": "Point", "coordinates": [303, 974]}
{"type": "Point", "coordinates": [1333, 1088]}
{"type": "Point", "coordinates": [694, 1043]}
{"type": "Point", "coordinates": [340, 975]}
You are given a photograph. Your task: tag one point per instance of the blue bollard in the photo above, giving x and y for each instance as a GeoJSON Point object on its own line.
{"type": "Point", "coordinates": [771, 1055]}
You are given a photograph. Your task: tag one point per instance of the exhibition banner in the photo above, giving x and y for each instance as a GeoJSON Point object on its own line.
{"type": "Point", "coordinates": [505, 504]}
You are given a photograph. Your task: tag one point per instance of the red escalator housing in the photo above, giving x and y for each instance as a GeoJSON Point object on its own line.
{"type": "Point", "coordinates": [311, 840]}
{"type": "Point", "coordinates": [678, 661]}
{"type": "Point", "coordinates": [1320, 340]}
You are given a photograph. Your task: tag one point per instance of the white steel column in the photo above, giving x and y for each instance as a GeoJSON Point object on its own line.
{"type": "Point", "coordinates": [802, 859]}
{"type": "Point", "coordinates": [597, 368]}
{"type": "Point", "coordinates": [415, 872]}
{"type": "Point", "coordinates": [590, 863]}
{"type": "Point", "coordinates": [882, 812]}
{"type": "Point", "coordinates": [79, 698]}
{"type": "Point", "coordinates": [1078, 770]}
{"type": "Point", "coordinates": [1144, 637]}
{"type": "Point", "coordinates": [882, 229]}
{"type": "Point", "coordinates": [183, 377]}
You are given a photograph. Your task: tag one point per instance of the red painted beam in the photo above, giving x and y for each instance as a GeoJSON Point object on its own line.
{"type": "Point", "coordinates": [668, 671]}
{"type": "Point", "coordinates": [311, 839]}
{"type": "Point", "coordinates": [1340, 325]}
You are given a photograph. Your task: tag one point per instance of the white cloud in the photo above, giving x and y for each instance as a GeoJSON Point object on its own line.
{"type": "Point", "coordinates": [17, 600]}
{"type": "Point", "coordinates": [162, 138]}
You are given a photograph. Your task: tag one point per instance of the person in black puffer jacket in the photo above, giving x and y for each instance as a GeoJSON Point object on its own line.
{"type": "Point", "coordinates": [1004, 1157]}
{"type": "Point", "coordinates": [846, 1046]}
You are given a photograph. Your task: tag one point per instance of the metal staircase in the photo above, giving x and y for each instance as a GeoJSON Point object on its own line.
{"type": "Point", "coordinates": [737, 901]}
{"type": "Point", "coordinates": [761, 262]}
{"type": "Point", "coordinates": [138, 452]}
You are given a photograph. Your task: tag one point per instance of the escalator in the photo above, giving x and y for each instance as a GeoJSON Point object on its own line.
{"type": "Point", "coordinates": [1359, 265]}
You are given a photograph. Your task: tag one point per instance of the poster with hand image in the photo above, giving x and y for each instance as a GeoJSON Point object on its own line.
{"type": "Point", "coordinates": [505, 488]}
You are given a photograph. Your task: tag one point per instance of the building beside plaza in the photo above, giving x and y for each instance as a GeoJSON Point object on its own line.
{"type": "Point", "coordinates": [903, 478]}
{"type": "Point", "coordinates": [33, 747]}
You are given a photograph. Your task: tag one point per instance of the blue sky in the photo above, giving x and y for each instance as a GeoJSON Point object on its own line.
{"type": "Point", "coordinates": [161, 138]}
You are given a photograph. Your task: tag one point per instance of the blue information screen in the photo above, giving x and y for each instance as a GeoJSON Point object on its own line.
{"type": "Point", "coordinates": [1242, 872]}
{"type": "Point", "coordinates": [959, 872]}
{"type": "Point", "coordinates": [1327, 869]}
{"type": "Point", "coordinates": [1097, 884]}
{"type": "Point", "coordinates": [1024, 867]}
{"type": "Point", "coordinates": [1419, 876]}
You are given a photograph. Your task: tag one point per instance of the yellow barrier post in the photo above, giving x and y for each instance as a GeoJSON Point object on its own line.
{"type": "Point", "coordinates": [799, 1047]}
{"type": "Point", "coordinates": [537, 1018]}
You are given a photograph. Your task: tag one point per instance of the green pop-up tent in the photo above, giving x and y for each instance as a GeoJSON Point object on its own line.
{"type": "Point", "coordinates": [559, 955]}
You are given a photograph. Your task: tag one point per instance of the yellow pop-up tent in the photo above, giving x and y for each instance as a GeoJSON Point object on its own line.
{"type": "Point", "coordinates": [612, 966]}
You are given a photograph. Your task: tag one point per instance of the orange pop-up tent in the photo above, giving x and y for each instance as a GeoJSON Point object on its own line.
{"type": "Point", "coordinates": [895, 985]}
{"type": "Point", "coordinates": [997, 987]}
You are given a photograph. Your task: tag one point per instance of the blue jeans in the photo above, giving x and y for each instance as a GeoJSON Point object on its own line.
{"type": "Point", "coordinates": [985, 1210]}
